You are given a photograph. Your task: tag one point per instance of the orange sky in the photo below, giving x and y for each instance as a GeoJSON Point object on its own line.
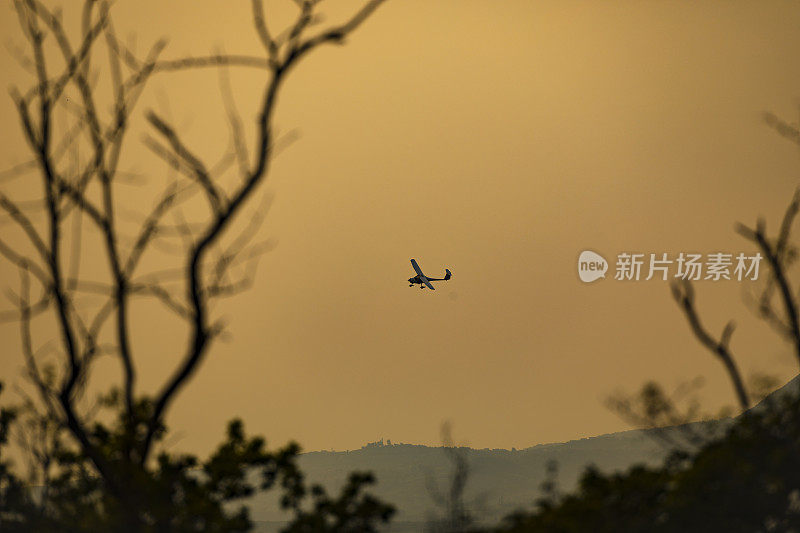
{"type": "Point", "coordinates": [499, 139]}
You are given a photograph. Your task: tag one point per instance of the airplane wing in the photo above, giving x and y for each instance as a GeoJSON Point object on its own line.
{"type": "Point", "coordinates": [426, 282]}
{"type": "Point", "coordinates": [416, 267]}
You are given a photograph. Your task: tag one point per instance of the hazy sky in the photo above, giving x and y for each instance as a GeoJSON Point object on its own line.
{"type": "Point", "coordinates": [498, 139]}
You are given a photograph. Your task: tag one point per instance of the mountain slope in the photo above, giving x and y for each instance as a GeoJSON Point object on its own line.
{"type": "Point", "coordinates": [500, 481]}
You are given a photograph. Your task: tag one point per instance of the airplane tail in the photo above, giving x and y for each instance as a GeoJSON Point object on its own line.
{"type": "Point", "coordinates": [447, 274]}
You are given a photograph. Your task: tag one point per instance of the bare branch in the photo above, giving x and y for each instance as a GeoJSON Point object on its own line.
{"type": "Point", "coordinates": [25, 263]}
{"type": "Point", "coordinates": [27, 226]}
{"type": "Point", "coordinates": [237, 132]}
{"type": "Point", "coordinates": [78, 198]}
{"type": "Point", "coordinates": [164, 296]}
{"type": "Point", "coordinates": [786, 255]}
{"type": "Point", "coordinates": [303, 20]}
{"type": "Point", "coordinates": [239, 244]}
{"type": "Point", "coordinates": [784, 129]}
{"type": "Point", "coordinates": [26, 313]}
{"type": "Point", "coordinates": [336, 34]}
{"type": "Point", "coordinates": [199, 170]}
{"type": "Point", "coordinates": [683, 292]}
{"type": "Point", "coordinates": [263, 33]}
{"type": "Point", "coordinates": [150, 227]}
{"type": "Point", "coordinates": [74, 61]}
{"type": "Point", "coordinates": [790, 306]}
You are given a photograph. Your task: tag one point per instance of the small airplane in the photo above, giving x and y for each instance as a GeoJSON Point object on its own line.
{"type": "Point", "coordinates": [424, 281]}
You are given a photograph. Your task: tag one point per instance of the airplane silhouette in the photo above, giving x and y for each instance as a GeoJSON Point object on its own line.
{"type": "Point", "coordinates": [424, 281]}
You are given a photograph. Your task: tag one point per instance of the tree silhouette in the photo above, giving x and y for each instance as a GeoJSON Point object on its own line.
{"type": "Point", "coordinates": [76, 131]}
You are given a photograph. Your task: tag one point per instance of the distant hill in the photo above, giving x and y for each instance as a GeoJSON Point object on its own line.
{"type": "Point", "coordinates": [500, 481]}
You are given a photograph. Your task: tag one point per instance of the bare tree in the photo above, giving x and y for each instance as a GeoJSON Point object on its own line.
{"type": "Point", "coordinates": [76, 150]}
{"type": "Point", "coordinates": [779, 255]}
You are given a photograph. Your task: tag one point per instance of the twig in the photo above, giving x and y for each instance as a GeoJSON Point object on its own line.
{"type": "Point", "coordinates": [683, 292]}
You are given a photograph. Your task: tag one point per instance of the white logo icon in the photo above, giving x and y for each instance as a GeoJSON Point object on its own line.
{"type": "Point", "coordinates": [591, 266]}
